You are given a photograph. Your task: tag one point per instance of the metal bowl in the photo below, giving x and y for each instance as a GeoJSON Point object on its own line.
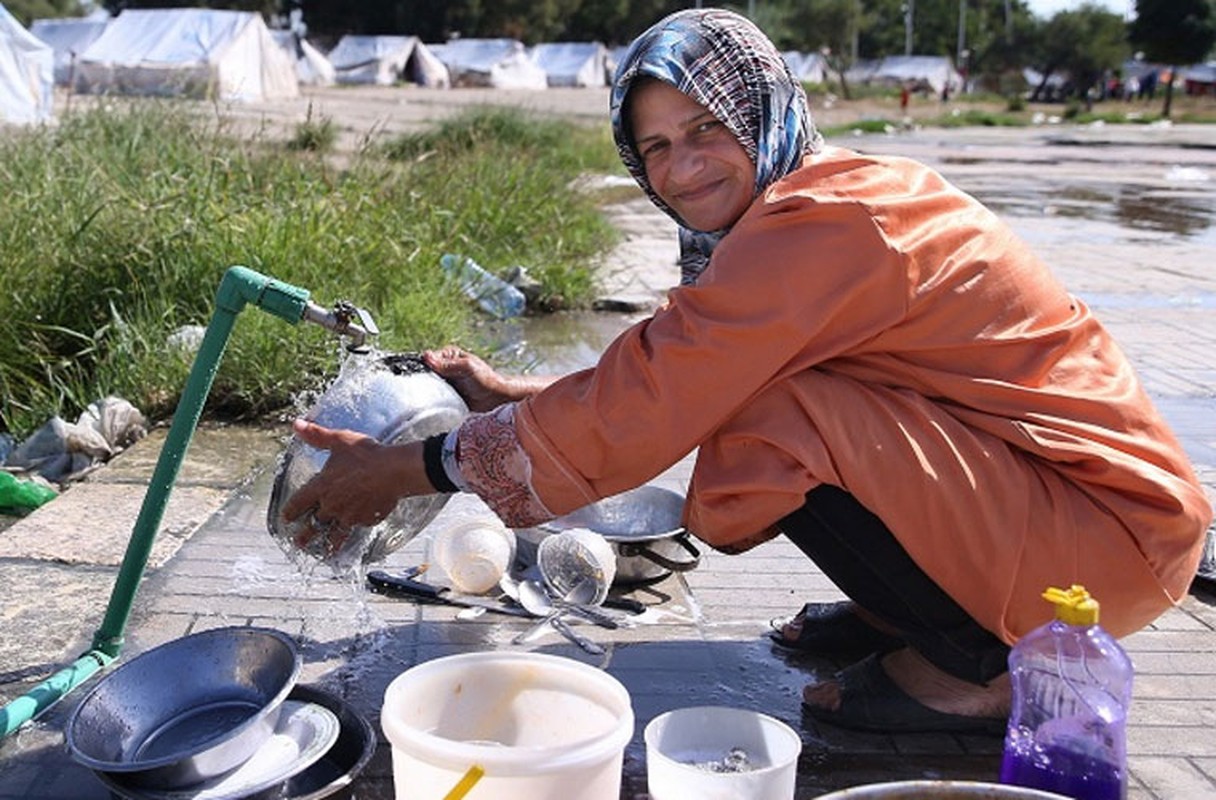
{"type": "Point", "coordinates": [188, 710]}
{"type": "Point", "coordinates": [394, 399]}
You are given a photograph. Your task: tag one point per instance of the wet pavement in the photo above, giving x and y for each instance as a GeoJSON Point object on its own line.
{"type": "Point", "coordinates": [1124, 216]}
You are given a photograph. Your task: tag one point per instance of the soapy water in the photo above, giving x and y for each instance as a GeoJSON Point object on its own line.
{"type": "Point", "coordinates": [735, 760]}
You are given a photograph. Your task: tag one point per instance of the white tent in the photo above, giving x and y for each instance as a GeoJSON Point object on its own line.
{"type": "Point", "coordinates": [26, 73]}
{"type": "Point", "coordinates": [862, 71]}
{"type": "Point", "coordinates": [195, 52]}
{"type": "Point", "coordinates": [936, 72]}
{"type": "Point", "coordinates": [69, 37]}
{"type": "Point", "coordinates": [572, 63]}
{"type": "Point", "coordinates": [498, 63]}
{"type": "Point", "coordinates": [385, 60]}
{"type": "Point", "coordinates": [615, 56]}
{"type": "Point", "coordinates": [312, 67]}
{"type": "Point", "coordinates": [1200, 78]}
{"type": "Point", "coordinates": [807, 67]}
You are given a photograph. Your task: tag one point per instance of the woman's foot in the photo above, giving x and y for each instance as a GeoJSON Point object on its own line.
{"type": "Point", "coordinates": [903, 692]}
{"type": "Point", "coordinates": [834, 629]}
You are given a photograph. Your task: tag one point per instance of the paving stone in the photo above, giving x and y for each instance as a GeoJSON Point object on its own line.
{"type": "Point", "coordinates": [92, 524]}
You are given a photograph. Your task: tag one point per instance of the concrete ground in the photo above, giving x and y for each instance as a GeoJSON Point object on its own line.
{"type": "Point", "coordinates": [703, 640]}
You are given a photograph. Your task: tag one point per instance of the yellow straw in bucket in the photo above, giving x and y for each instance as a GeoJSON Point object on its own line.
{"type": "Point", "coordinates": [465, 784]}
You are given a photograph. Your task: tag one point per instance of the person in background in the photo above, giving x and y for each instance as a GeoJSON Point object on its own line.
{"type": "Point", "coordinates": [867, 361]}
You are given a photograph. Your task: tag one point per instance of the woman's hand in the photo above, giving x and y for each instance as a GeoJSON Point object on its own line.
{"type": "Point", "coordinates": [482, 387]}
{"type": "Point", "coordinates": [361, 482]}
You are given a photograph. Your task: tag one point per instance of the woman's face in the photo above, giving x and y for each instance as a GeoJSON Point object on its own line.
{"type": "Point", "coordinates": [692, 160]}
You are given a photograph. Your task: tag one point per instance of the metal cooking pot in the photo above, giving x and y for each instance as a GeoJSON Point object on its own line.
{"type": "Point", "coordinates": [394, 399]}
{"type": "Point", "coordinates": [643, 527]}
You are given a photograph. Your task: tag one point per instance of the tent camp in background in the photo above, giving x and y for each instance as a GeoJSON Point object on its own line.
{"type": "Point", "coordinates": [573, 63]}
{"type": "Point", "coordinates": [615, 56]}
{"type": "Point", "coordinates": [69, 38]}
{"type": "Point", "coordinates": [807, 67]}
{"type": "Point", "coordinates": [1200, 79]}
{"type": "Point", "coordinates": [192, 52]}
{"type": "Point", "coordinates": [385, 60]}
{"type": "Point", "coordinates": [1042, 87]}
{"type": "Point", "coordinates": [922, 73]}
{"type": "Point", "coordinates": [496, 63]}
{"type": "Point", "coordinates": [312, 67]}
{"type": "Point", "coordinates": [861, 71]}
{"type": "Point", "coordinates": [26, 73]}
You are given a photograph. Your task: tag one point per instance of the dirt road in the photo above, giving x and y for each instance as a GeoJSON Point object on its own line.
{"type": "Point", "coordinates": [368, 113]}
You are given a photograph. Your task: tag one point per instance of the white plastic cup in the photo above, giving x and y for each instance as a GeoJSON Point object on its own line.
{"type": "Point", "coordinates": [475, 553]}
{"type": "Point", "coordinates": [542, 727]}
{"type": "Point", "coordinates": [680, 745]}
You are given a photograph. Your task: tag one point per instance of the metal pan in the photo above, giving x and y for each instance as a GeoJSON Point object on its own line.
{"type": "Point", "coordinates": [643, 527]}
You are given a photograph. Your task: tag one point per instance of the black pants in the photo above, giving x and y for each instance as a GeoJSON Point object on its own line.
{"type": "Point", "coordinates": [864, 559]}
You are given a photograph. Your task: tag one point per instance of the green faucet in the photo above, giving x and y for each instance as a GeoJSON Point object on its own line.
{"type": "Point", "coordinates": [239, 287]}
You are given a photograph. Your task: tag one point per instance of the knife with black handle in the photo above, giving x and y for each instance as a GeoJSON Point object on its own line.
{"type": "Point", "coordinates": [421, 592]}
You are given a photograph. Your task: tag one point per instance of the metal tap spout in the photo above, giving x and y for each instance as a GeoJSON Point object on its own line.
{"type": "Point", "coordinates": [344, 319]}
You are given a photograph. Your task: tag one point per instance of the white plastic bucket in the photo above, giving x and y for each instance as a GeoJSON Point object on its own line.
{"type": "Point", "coordinates": [682, 744]}
{"type": "Point", "coordinates": [542, 727]}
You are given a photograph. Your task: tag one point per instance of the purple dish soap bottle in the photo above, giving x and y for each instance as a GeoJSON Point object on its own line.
{"type": "Point", "coordinates": [1072, 686]}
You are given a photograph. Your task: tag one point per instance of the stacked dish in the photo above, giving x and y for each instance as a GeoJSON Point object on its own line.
{"type": "Point", "coordinates": [215, 715]}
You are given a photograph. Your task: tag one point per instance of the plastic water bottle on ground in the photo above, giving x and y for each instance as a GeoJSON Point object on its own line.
{"type": "Point", "coordinates": [494, 295]}
{"type": "Point", "coordinates": [1072, 686]}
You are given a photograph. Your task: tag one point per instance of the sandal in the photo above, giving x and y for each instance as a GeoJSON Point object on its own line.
{"type": "Point", "coordinates": [871, 701]}
{"type": "Point", "coordinates": [832, 629]}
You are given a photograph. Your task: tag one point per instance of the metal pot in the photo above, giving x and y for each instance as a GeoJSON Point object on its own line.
{"type": "Point", "coordinates": [643, 527]}
{"type": "Point", "coordinates": [394, 399]}
{"type": "Point", "coordinates": [188, 710]}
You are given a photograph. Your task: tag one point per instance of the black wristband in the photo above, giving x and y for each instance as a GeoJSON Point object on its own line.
{"type": "Point", "coordinates": [432, 461]}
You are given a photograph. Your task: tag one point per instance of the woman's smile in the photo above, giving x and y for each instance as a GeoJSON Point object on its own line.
{"type": "Point", "coordinates": [692, 160]}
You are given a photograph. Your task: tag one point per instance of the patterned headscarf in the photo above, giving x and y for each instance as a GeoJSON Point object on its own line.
{"type": "Point", "coordinates": [724, 62]}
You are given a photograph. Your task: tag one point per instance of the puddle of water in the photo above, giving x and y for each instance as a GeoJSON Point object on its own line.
{"type": "Point", "coordinates": [1101, 300]}
{"type": "Point", "coordinates": [554, 344]}
{"type": "Point", "coordinates": [1188, 214]}
{"type": "Point", "coordinates": [1141, 180]}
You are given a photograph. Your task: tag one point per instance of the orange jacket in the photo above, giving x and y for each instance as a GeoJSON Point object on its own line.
{"type": "Point", "coordinates": [867, 325]}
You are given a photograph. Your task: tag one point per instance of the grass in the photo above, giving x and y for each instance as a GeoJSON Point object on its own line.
{"type": "Point", "coordinates": [315, 135]}
{"type": "Point", "coordinates": [118, 225]}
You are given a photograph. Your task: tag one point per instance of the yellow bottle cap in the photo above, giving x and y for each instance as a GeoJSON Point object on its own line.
{"type": "Point", "coordinates": [1074, 605]}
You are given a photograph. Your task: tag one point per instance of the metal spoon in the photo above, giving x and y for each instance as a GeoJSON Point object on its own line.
{"type": "Point", "coordinates": [577, 601]}
{"type": "Point", "coordinates": [539, 604]}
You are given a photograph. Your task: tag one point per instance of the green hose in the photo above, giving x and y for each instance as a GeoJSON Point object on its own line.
{"type": "Point", "coordinates": [239, 287]}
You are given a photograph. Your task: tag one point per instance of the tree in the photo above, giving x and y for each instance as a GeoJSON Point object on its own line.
{"type": "Point", "coordinates": [1084, 44]}
{"type": "Point", "coordinates": [830, 27]}
{"type": "Point", "coordinates": [1000, 47]}
{"type": "Point", "coordinates": [26, 11]}
{"type": "Point", "coordinates": [531, 21]}
{"type": "Point", "coordinates": [1175, 33]}
{"type": "Point", "coordinates": [264, 7]}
